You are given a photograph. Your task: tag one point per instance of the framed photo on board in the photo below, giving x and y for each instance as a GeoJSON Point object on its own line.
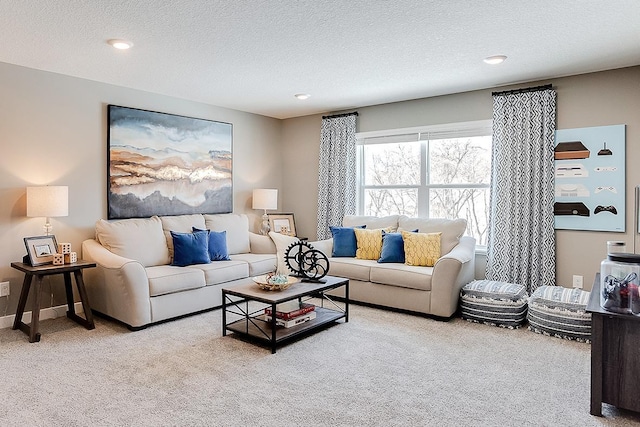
{"type": "Point", "coordinates": [40, 249]}
{"type": "Point", "coordinates": [282, 223]}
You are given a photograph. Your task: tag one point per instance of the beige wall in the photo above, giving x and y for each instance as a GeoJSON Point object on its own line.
{"type": "Point", "coordinates": [53, 130]}
{"type": "Point", "coordinates": [598, 99]}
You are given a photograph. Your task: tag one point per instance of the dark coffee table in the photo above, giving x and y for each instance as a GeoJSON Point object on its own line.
{"type": "Point", "coordinates": [245, 303]}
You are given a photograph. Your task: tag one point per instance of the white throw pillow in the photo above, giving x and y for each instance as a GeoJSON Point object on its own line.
{"type": "Point", "coordinates": [237, 228]}
{"type": "Point", "coordinates": [324, 246]}
{"type": "Point", "coordinates": [282, 242]}
{"type": "Point", "coordinates": [140, 239]}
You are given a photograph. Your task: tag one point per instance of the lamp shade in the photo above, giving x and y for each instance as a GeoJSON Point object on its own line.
{"type": "Point", "coordinates": [47, 201]}
{"type": "Point", "coordinates": [265, 198]}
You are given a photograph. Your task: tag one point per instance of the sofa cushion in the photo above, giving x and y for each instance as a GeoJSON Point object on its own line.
{"type": "Point", "coordinates": [141, 239]}
{"type": "Point", "coordinates": [369, 243]}
{"type": "Point", "coordinates": [217, 246]}
{"type": "Point", "coordinates": [190, 248]}
{"type": "Point", "coordinates": [181, 224]}
{"type": "Point", "coordinates": [451, 229]}
{"type": "Point", "coordinates": [166, 279]}
{"type": "Point", "coordinates": [344, 241]}
{"type": "Point", "coordinates": [223, 271]}
{"type": "Point", "coordinates": [421, 249]}
{"type": "Point", "coordinates": [386, 222]}
{"type": "Point", "coordinates": [237, 228]}
{"type": "Point", "coordinates": [402, 275]}
{"type": "Point", "coordinates": [282, 242]}
{"type": "Point", "coordinates": [392, 248]}
{"type": "Point", "coordinates": [258, 263]}
{"type": "Point", "coordinates": [351, 268]}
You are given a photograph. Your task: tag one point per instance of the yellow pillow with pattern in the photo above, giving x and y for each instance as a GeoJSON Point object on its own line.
{"type": "Point", "coordinates": [369, 243]}
{"type": "Point", "coordinates": [421, 249]}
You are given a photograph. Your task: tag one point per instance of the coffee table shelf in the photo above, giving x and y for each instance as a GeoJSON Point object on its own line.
{"type": "Point", "coordinates": [248, 302]}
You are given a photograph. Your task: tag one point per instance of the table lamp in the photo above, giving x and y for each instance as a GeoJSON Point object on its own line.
{"type": "Point", "coordinates": [265, 198]}
{"type": "Point", "coordinates": [48, 202]}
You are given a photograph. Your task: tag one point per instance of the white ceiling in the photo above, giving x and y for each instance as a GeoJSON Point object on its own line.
{"type": "Point", "coordinates": [254, 55]}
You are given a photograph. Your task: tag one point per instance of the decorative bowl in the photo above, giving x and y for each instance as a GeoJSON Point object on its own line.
{"type": "Point", "coordinates": [267, 282]}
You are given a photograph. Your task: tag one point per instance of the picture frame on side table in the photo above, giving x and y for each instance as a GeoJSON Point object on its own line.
{"type": "Point", "coordinates": [40, 249]}
{"type": "Point", "coordinates": [282, 223]}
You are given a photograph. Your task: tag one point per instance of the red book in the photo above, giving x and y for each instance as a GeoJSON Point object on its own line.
{"type": "Point", "coordinates": [286, 315]}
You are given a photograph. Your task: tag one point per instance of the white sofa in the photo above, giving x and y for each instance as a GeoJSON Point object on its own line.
{"type": "Point", "coordinates": [135, 283]}
{"type": "Point", "coordinates": [427, 290]}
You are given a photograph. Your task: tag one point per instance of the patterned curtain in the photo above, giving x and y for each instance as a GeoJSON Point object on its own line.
{"type": "Point", "coordinates": [336, 171]}
{"type": "Point", "coordinates": [521, 238]}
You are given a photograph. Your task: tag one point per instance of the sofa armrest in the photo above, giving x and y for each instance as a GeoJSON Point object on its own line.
{"type": "Point", "coordinates": [118, 286]}
{"type": "Point", "coordinates": [261, 244]}
{"type": "Point", "coordinates": [450, 273]}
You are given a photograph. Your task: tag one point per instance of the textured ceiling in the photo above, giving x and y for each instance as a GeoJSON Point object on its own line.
{"type": "Point", "coordinates": [254, 55]}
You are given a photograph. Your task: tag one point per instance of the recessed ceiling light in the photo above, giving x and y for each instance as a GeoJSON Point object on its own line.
{"type": "Point", "coordinates": [495, 59]}
{"type": "Point", "coordinates": [302, 95]}
{"type": "Point", "coordinates": [120, 44]}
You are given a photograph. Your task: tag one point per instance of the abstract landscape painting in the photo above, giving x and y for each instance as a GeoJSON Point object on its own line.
{"type": "Point", "coordinates": [164, 164]}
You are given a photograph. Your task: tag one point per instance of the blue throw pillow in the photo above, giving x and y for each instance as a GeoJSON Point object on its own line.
{"type": "Point", "coordinates": [344, 241]}
{"type": "Point", "coordinates": [217, 245]}
{"type": "Point", "coordinates": [190, 248]}
{"type": "Point", "coordinates": [392, 247]}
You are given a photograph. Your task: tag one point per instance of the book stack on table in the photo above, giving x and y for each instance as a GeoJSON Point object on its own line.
{"type": "Point", "coordinates": [291, 313]}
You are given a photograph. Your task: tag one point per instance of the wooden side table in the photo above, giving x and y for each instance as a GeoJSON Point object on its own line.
{"type": "Point", "coordinates": [46, 270]}
{"type": "Point", "coordinates": [615, 356]}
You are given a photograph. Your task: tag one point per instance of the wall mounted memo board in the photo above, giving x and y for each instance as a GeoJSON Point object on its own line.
{"type": "Point", "coordinates": [163, 164]}
{"type": "Point", "coordinates": [590, 179]}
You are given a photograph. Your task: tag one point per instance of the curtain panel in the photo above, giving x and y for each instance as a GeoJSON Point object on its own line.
{"type": "Point", "coordinates": [336, 172]}
{"type": "Point", "coordinates": [521, 238]}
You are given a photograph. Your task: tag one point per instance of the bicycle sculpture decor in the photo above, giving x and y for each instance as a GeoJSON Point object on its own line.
{"type": "Point", "coordinates": [307, 262]}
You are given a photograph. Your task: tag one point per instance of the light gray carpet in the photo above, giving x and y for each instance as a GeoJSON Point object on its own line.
{"type": "Point", "coordinates": [381, 368]}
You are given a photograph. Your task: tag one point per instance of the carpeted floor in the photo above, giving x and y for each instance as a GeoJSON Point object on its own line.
{"type": "Point", "coordinates": [381, 368]}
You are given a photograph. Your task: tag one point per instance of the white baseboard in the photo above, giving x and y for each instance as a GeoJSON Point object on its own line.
{"type": "Point", "coordinates": [45, 313]}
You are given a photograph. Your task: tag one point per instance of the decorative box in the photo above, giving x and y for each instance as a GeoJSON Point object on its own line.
{"type": "Point", "coordinates": [64, 248]}
{"type": "Point", "coordinates": [58, 259]}
{"type": "Point", "coordinates": [70, 258]}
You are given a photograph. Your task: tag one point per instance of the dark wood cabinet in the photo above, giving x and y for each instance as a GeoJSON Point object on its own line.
{"type": "Point", "coordinates": [615, 356]}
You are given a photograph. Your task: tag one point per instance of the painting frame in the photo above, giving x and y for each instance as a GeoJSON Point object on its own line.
{"type": "Point", "coordinates": [278, 221]}
{"type": "Point", "coordinates": [167, 164]}
{"type": "Point", "coordinates": [40, 249]}
{"type": "Point", "coordinates": [590, 179]}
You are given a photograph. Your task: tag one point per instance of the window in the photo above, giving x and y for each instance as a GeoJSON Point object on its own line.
{"type": "Point", "coordinates": [436, 171]}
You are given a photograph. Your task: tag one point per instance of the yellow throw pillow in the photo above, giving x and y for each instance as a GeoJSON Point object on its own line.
{"type": "Point", "coordinates": [421, 249]}
{"type": "Point", "coordinates": [369, 243]}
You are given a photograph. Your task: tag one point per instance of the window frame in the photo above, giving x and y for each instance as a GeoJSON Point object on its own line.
{"type": "Point", "coordinates": [422, 134]}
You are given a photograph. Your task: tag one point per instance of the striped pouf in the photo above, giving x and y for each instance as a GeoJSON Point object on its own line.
{"type": "Point", "coordinates": [494, 303]}
{"type": "Point", "coordinates": [560, 312]}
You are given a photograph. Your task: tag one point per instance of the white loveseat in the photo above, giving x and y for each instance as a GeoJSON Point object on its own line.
{"type": "Point", "coordinates": [427, 290]}
{"type": "Point", "coordinates": [135, 283]}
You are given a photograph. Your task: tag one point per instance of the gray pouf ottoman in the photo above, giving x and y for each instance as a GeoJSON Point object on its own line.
{"type": "Point", "coordinates": [560, 312]}
{"type": "Point", "coordinates": [494, 303]}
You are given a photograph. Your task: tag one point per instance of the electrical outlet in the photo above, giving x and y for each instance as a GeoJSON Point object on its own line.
{"type": "Point", "coordinates": [4, 289]}
{"type": "Point", "coordinates": [577, 281]}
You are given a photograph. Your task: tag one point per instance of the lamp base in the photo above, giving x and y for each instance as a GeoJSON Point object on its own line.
{"type": "Point", "coordinates": [48, 228]}
{"type": "Point", "coordinates": [264, 228]}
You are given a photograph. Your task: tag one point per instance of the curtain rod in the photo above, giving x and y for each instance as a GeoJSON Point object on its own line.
{"type": "Point", "coordinates": [523, 90]}
{"type": "Point", "coordinates": [355, 113]}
